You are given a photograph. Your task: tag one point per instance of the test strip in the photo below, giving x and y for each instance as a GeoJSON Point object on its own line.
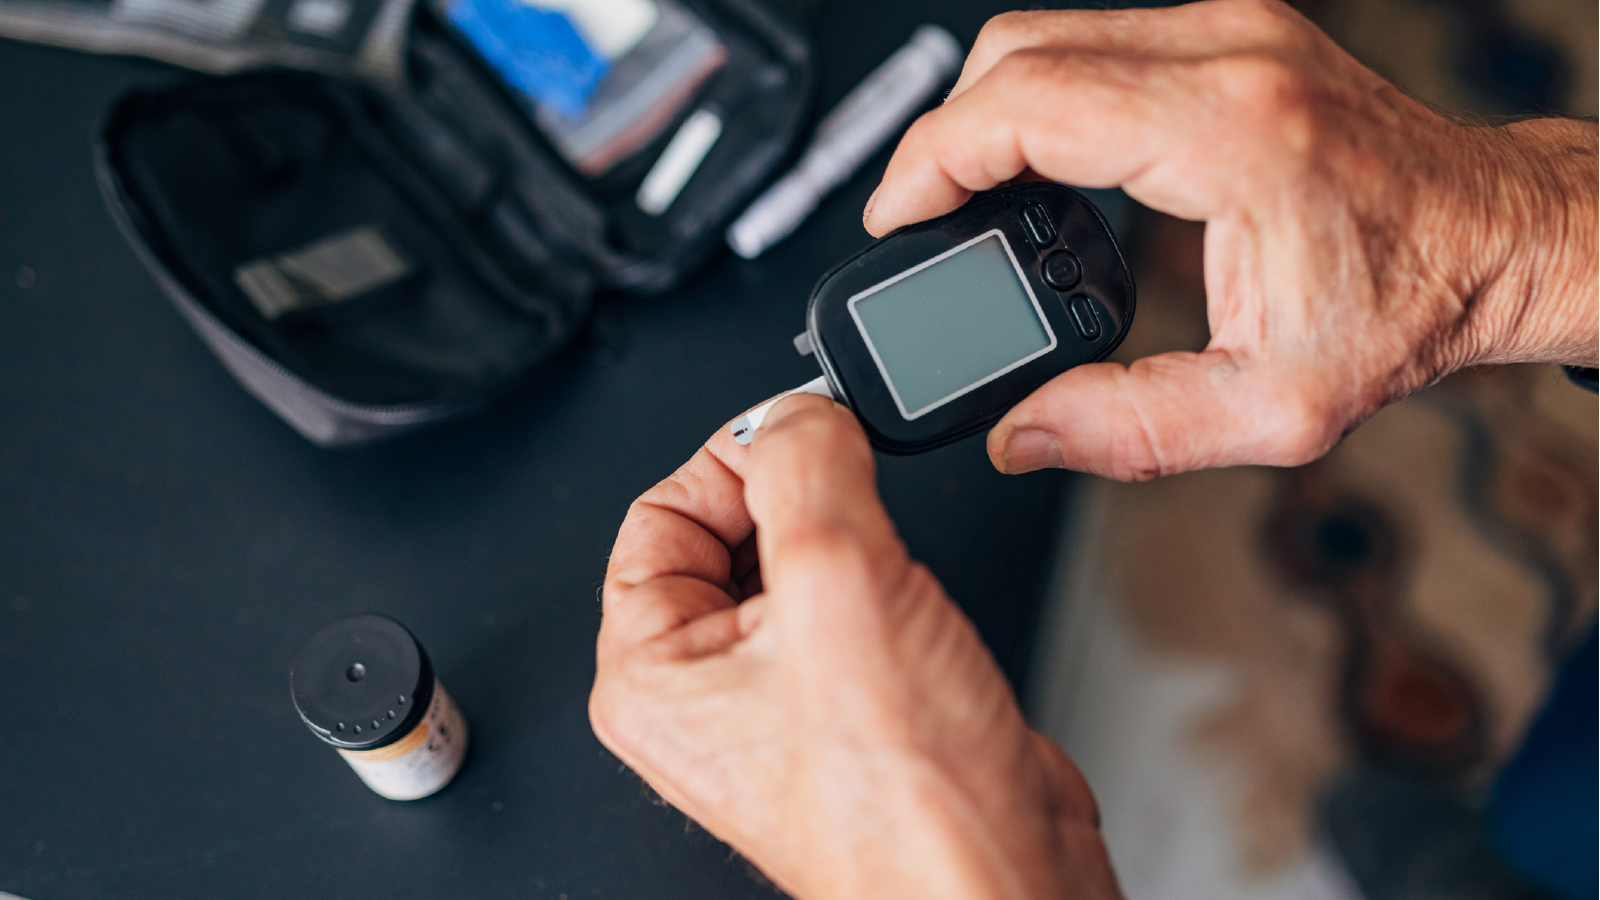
{"type": "Point", "coordinates": [744, 427]}
{"type": "Point", "coordinates": [678, 163]}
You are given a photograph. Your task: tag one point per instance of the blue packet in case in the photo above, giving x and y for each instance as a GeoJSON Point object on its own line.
{"type": "Point", "coordinates": [536, 51]}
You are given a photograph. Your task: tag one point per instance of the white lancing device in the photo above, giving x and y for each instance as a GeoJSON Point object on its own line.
{"type": "Point", "coordinates": [744, 427]}
{"type": "Point", "coordinates": [873, 112]}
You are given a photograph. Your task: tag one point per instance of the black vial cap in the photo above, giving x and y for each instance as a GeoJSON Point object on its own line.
{"type": "Point", "coordinates": [362, 682]}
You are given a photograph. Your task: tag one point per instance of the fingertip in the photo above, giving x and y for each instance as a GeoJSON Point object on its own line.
{"type": "Point", "coordinates": [995, 445]}
{"type": "Point", "coordinates": [811, 445]}
{"type": "Point", "coordinates": [1028, 424]}
{"type": "Point", "coordinates": [1094, 418]}
{"type": "Point", "coordinates": [915, 186]}
{"type": "Point", "coordinates": [916, 196]}
{"type": "Point", "coordinates": [791, 405]}
{"type": "Point", "coordinates": [873, 218]}
{"type": "Point", "coordinates": [726, 449]}
{"type": "Point", "coordinates": [1019, 450]}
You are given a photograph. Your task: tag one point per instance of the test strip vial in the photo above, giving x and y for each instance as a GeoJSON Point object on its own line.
{"type": "Point", "coordinates": [365, 685]}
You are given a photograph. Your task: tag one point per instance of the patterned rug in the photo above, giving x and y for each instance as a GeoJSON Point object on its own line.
{"type": "Point", "coordinates": [1262, 671]}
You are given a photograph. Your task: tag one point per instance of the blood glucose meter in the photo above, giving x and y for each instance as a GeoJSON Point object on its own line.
{"type": "Point", "coordinates": [933, 332]}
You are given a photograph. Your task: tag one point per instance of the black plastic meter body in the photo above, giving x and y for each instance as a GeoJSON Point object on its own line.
{"type": "Point", "coordinates": [936, 330]}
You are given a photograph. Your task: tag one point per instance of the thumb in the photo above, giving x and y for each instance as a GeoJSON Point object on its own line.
{"type": "Point", "coordinates": [1164, 414]}
{"type": "Point", "coordinates": [811, 491]}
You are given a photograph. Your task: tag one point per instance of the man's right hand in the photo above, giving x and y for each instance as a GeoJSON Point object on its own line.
{"type": "Point", "coordinates": [777, 667]}
{"type": "Point", "coordinates": [1358, 245]}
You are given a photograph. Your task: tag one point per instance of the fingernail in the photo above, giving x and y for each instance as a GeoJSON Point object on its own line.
{"type": "Point", "coordinates": [782, 410]}
{"type": "Point", "coordinates": [867, 213]}
{"type": "Point", "coordinates": [1031, 450]}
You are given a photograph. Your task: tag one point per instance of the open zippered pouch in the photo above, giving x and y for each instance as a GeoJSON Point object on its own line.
{"type": "Point", "coordinates": [367, 260]}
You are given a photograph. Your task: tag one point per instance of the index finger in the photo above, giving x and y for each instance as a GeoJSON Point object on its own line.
{"type": "Point", "coordinates": [1112, 122]}
{"type": "Point", "coordinates": [1181, 32]}
{"type": "Point", "coordinates": [679, 535]}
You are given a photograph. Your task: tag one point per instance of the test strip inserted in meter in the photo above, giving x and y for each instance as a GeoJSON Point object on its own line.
{"type": "Point", "coordinates": [744, 427]}
{"type": "Point", "coordinates": [931, 333]}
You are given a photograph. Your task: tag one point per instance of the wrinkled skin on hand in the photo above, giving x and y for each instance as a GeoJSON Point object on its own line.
{"type": "Point", "coordinates": [1358, 245]}
{"type": "Point", "coordinates": [842, 726]}
{"type": "Point", "coordinates": [773, 663]}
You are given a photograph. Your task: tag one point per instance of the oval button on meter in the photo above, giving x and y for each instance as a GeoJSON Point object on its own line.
{"type": "Point", "coordinates": [1040, 231]}
{"type": "Point", "coordinates": [1083, 317]}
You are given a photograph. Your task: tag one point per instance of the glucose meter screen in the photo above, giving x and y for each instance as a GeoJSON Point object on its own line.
{"type": "Point", "coordinates": [951, 326]}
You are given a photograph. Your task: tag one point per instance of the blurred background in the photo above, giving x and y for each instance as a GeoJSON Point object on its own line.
{"type": "Point", "coordinates": [1315, 683]}
{"type": "Point", "coordinates": [1319, 683]}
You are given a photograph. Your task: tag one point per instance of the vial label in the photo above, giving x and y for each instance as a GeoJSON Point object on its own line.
{"type": "Point", "coordinates": [423, 761]}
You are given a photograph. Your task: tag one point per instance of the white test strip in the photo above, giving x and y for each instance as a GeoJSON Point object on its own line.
{"type": "Point", "coordinates": [678, 163]}
{"type": "Point", "coordinates": [610, 27]}
{"type": "Point", "coordinates": [744, 427]}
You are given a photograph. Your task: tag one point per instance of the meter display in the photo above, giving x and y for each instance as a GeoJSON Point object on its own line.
{"type": "Point", "coordinates": [958, 321]}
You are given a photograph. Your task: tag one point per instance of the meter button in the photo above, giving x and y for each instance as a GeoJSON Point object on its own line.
{"type": "Point", "coordinates": [1037, 223]}
{"type": "Point", "coordinates": [1083, 317]}
{"type": "Point", "coordinates": [1061, 270]}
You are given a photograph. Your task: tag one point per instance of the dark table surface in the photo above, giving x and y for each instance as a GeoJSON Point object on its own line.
{"type": "Point", "coordinates": [166, 545]}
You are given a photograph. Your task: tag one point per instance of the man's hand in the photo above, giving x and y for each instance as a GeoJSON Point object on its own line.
{"type": "Point", "coordinates": [1358, 246]}
{"type": "Point", "coordinates": [775, 666]}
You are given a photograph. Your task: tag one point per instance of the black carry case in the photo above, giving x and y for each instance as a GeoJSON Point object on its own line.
{"type": "Point", "coordinates": [366, 262]}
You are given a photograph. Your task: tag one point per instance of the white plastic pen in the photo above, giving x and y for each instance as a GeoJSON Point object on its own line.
{"type": "Point", "coordinates": [862, 122]}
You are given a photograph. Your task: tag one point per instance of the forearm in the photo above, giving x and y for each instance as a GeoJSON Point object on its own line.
{"type": "Point", "coordinates": [1538, 302]}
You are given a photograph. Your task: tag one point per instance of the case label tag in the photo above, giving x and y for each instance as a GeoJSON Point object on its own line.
{"type": "Point", "coordinates": [337, 268]}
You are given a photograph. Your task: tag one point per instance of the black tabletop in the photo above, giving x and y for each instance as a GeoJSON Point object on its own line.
{"type": "Point", "coordinates": [166, 545]}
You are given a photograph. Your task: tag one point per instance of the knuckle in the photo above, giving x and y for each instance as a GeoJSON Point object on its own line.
{"type": "Point", "coordinates": [1268, 22]}
{"type": "Point", "coordinates": [615, 712]}
{"type": "Point", "coordinates": [832, 549]}
{"type": "Point", "coordinates": [1144, 450]}
{"type": "Point", "coordinates": [918, 130]}
{"type": "Point", "coordinates": [1144, 461]}
{"type": "Point", "coordinates": [840, 560]}
{"type": "Point", "coordinates": [1260, 81]}
{"type": "Point", "coordinates": [917, 144]}
{"type": "Point", "coordinates": [1136, 473]}
{"type": "Point", "coordinates": [1005, 31]}
{"type": "Point", "coordinates": [1024, 66]}
{"type": "Point", "coordinates": [1271, 97]}
{"type": "Point", "coordinates": [604, 716]}
{"type": "Point", "coordinates": [997, 33]}
{"type": "Point", "coordinates": [1301, 429]}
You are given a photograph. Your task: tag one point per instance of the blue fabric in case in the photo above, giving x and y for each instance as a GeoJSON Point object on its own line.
{"type": "Point", "coordinates": [536, 51]}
